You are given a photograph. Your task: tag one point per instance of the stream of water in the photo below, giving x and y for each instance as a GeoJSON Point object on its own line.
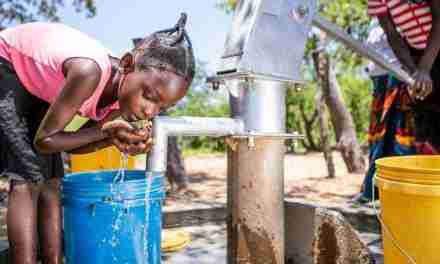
{"type": "Point", "coordinates": [119, 210]}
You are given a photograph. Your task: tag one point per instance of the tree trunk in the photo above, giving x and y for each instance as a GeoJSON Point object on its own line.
{"type": "Point", "coordinates": [323, 124]}
{"type": "Point", "coordinates": [340, 116]}
{"type": "Point", "coordinates": [176, 173]}
{"type": "Point", "coordinates": [308, 128]}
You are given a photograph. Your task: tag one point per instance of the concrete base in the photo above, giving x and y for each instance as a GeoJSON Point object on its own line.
{"type": "Point", "coordinates": [362, 219]}
{"type": "Point", "coordinates": [209, 246]}
{"type": "Point", "coordinates": [303, 233]}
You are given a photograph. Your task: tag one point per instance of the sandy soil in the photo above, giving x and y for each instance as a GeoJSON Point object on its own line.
{"type": "Point", "coordinates": [305, 178]}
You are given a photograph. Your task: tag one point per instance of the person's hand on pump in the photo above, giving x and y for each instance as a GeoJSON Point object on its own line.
{"type": "Point", "coordinates": [423, 85]}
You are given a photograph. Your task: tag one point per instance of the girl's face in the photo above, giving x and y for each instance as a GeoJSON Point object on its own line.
{"type": "Point", "coordinates": [144, 94]}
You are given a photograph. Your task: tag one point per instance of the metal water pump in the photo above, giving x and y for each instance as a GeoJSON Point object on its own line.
{"type": "Point", "coordinates": [263, 54]}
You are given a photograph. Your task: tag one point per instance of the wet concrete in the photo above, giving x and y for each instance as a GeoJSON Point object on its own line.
{"type": "Point", "coordinates": [259, 241]}
{"type": "Point", "coordinates": [336, 241]}
{"type": "Point", "coordinates": [329, 252]}
{"type": "Point", "coordinates": [209, 246]}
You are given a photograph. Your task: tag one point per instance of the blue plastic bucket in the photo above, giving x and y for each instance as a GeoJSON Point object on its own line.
{"type": "Point", "coordinates": [104, 222]}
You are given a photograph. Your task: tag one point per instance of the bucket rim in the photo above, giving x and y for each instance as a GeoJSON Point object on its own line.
{"type": "Point", "coordinates": [68, 175]}
{"type": "Point", "coordinates": [383, 163]}
{"type": "Point", "coordinates": [408, 188]}
{"type": "Point", "coordinates": [71, 178]}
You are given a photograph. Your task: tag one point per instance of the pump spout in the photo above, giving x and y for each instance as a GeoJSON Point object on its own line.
{"type": "Point", "coordinates": [163, 127]}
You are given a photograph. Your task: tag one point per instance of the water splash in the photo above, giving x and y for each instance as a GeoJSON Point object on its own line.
{"type": "Point", "coordinates": [118, 179]}
{"type": "Point", "coordinates": [120, 176]}
{"type": "Point", "coordinates": [149, 180]}
{"type": "Point", "coordinates": [118, 210]}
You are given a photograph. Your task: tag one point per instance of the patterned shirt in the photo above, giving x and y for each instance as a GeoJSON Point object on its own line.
{"type": "Point", "coordinates": [413, 20]}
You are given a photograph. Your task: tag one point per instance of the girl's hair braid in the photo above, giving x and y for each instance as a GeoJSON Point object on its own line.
{"type": "Point", "coordinates": [169, 50]}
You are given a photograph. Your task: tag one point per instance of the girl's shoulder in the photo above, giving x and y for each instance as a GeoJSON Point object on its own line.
{"type": "Point", "coordinates": [40, 39]}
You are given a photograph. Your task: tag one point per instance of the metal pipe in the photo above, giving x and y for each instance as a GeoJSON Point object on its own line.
{"type": "Point", "coordinates": [256, 180]}
{"type": "Point", "coordinates": [264, 106]}
{"type": "Point", "coordinates": [163, 127]}
{"type": "Point", "coordinates": [360, 48]}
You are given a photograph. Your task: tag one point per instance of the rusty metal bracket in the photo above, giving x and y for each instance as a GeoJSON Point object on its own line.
{"type": "Point", "coordinates": [269, 135]}
{"type": "Point", "coordinates": [231, 143]}
{"type": "Point", "coordinates": [218, 80]}
{"type": "Point", "coordinates": [252, 136]}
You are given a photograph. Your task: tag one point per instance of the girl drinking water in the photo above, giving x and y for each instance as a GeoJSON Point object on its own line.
{"type": "Point", "coordinates": [48, 74]}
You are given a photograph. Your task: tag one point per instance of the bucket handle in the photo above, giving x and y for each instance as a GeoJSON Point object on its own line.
{"type": "Point", "coordinates": [387, 230]}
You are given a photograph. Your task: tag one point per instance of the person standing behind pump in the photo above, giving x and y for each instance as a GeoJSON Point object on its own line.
{"type": "Point", "coordinates": [413, 31]}
{"type": "Point", "coordinates": [391, 122]}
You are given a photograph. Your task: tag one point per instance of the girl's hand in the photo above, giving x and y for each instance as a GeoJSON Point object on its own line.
{"type": "Point", "coordinates": [128, 139]}
{"type": "Point", "coordinates": [423, 85]}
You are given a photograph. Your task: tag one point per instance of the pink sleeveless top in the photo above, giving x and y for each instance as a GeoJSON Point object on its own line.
{"type": "Point", "coordinates": [38, 50]}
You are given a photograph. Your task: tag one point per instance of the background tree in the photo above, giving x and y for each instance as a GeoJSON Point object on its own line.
{"type": "Point", "coordinates": [21, 11]}
{"type": "Point", "coordinates": [322, 67]}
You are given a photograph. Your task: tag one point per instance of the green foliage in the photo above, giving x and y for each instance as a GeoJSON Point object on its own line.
{"type": "Point", "coordinates": [202, 101]}
{"type": "Point", "coordinates": [296, 100]}
{"type": "Point", "coordinates": [356, 92]}
{"type": "Point", "coordinates": [351, 15]}
{"type": "Point", "coordinates": [357, 97]}
{"type": "Point", "coordinates": [21, 11]}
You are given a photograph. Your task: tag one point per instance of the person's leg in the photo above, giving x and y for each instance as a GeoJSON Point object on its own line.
{"type": "Point", "coordinates": [426, 132]}
{"type": "Point", "coordinates": [388, 125]}
{"type": "Point", "coordinates": [49, 222]}
{"type": "Point", "coordinates": [176, 173]}
{"type": "Point", "coordinates": [20, 115]}
{"type": "Point", "coordinates": [21, 221]}
{"type": "Point", "coordinates": [49, 204]}
{"type": "Point", "coordinates": [403, 141]}
{"type": "Point", "coordinates": [20, 164]}
{"type": "Point", "coordinates": [426, 114]}
{"type": "Point", "coordinates": [375, 135]}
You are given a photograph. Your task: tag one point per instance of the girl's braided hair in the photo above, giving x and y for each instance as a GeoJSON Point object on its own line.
{"type": "Point", "coordinates": [168, 50]}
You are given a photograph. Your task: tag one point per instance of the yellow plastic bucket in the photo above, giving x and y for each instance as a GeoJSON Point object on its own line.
{"type": "Point", "coordinates": [104, 159]}
{"type": "Point", "coordinates": [409, 190]}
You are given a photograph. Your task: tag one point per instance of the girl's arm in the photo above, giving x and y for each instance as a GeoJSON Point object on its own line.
{"type": "Point", "coordinates": [82, 78]}
{"type": "Point", "coordinates": [117, 132]}
{"type": "Point", "coordinates": [94, 146]}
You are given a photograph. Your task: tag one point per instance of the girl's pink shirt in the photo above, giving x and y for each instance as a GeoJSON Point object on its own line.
{"type": "Point", "coordinates": [38, 51]}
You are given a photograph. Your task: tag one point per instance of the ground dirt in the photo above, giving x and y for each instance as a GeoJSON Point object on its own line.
{"type": "Point", "coordinates": [305, 179]}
